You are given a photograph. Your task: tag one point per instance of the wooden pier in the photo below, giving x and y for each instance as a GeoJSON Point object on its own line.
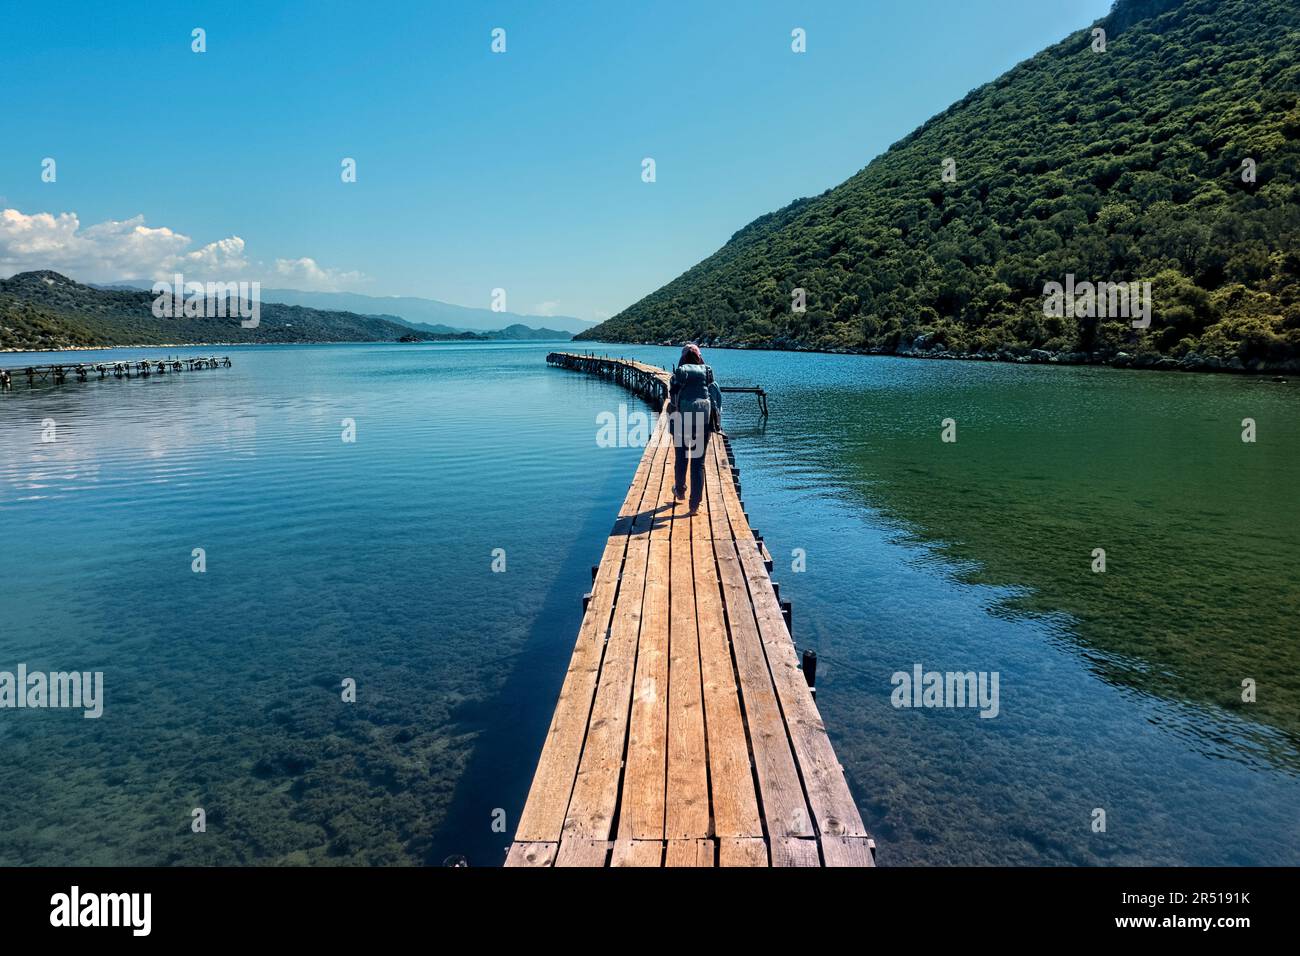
{"type": "Point", "coordinates": [686, 732]}
{"type": "Point", "coordinates": [59, 373]}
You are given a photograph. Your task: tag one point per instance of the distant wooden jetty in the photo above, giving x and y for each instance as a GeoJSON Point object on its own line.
{"type": "Point", "coordinates": [59, 373]}
{"type": "Point", "coordinates": [686, 732]}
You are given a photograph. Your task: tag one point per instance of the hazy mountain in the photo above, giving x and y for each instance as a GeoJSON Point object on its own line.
{"type": "Point", "coordinates": [424, 312]}
{"type": "Point", "coordinates": [427, 315]}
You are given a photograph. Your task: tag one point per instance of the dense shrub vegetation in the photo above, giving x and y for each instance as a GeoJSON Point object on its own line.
{"type": "Point", "coordinates": [1123, 165]}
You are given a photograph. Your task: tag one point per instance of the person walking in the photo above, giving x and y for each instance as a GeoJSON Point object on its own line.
{"type": "Point", "coordinates": [695, 410]}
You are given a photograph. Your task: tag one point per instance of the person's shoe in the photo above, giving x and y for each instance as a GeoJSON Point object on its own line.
{"type": "Point", "coordinates": [679, 493]}
{"type": "Point", "coordinates": [693, 512]}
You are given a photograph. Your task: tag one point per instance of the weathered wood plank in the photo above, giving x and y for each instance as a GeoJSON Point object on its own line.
{"type": "Point", "coordinates": [789, 851]}
{"type": "Point", "coordinates": [740, 529]}
{"type": "Point", "coordinates": [687, 812]}
{"type": "Point", "coordinates": [735, 803]}
{"type": "Point", "coordinates": [532, 854]}
{"type": "Point", "coordinates": [548, 799]}
{"type": "Point", "coordinates": [652, 514]}
{"type": "Point", "coordinates": [742, 851]}
{"type": "Point", "coordinates": [664, 508]}
{"type": "Point", "coordinates": [582, 852]}
{"type": "Point", "coordinates": [827, 789]}
{"type": "Point", "coordinates": [780, 792]}
{"type": "Point", "coordinates": [552, 787]}
{"type": "Point", "coordinates": [637, 853]}
{"type": "Point", "coordinates": [689, 853]}
{"type": "Point", "coordinates": [848, 851]}
{"type": "Point", "coordinates": [595, 791]}
{"type": "Point", "coordinates": [641, 814]}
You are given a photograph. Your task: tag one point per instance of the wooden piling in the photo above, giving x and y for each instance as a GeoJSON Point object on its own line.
{"type": "Point", "coordinates": [58, 373]}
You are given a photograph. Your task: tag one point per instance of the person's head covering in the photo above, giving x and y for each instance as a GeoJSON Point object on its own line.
{"type": "Point", "coordinates": [691, 355]}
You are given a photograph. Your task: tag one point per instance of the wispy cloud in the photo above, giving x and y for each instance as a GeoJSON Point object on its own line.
{"type": "Point", "coordinates": [130, 249]}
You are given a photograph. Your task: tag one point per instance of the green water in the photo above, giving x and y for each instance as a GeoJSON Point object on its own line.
{"type": "Point", "coordinates": [1199, 528]}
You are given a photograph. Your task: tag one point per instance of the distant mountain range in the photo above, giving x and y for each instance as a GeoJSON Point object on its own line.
{"type": "Point", "coordinates": [429, 315]}
{"type": "Point", "coordinates": [47, 310]}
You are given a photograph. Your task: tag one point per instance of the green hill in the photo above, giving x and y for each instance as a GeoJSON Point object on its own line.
{"type": "Point", "coordinates": [46, 310]}
{"type": "Point", "coordinates": [1115, 166]}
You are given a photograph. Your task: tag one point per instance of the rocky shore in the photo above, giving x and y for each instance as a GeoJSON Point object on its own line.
{"type": "Point", "coordinates": [919, 348]}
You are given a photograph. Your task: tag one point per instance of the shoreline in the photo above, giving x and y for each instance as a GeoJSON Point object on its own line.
{"type": "Point", "coordinates": [230, 345]}
{"type": "Point", "coordinates": [1144, 361]}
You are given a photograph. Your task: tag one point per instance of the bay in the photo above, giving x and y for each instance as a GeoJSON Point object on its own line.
{"type": "Point", "coordinates": [372, 560]}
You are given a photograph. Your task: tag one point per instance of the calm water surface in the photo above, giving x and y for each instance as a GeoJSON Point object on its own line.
{"type": "Point", "coordinates": [373, 560]}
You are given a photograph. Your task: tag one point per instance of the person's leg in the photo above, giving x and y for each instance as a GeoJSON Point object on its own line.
{"type": "Point", "coordinates": [679, 461]}
{"type": "Point", "coordinates": [697, 465]}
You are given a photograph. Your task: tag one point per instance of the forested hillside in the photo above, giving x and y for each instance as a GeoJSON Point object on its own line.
{"type": "Point", "coordinates": [1116, 166]}
{"type": "Point", "coordinates": [46, 310]}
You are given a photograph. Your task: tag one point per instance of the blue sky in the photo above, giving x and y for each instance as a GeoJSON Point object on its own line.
{"type": "Point", "coordinates": [474, 170]}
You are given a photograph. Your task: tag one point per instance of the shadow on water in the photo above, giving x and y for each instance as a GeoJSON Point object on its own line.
{"type": "Point", "coordinates": [512, 727]}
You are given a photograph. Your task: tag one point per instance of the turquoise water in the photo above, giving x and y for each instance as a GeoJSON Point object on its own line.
{"type": "Point", "coordinates": [373, 561]}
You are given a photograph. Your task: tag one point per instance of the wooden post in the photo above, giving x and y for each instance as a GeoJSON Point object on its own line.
{"type": "Point", "coordinates": [810, 670]}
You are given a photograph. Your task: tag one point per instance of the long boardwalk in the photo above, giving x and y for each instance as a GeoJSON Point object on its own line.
{"type": "Point", "coordinates": [685, 733]}
{"type": "Point", "coordinates": [58, 374]}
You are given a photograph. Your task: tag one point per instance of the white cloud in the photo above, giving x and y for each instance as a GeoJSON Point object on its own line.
{"type": "Point", "coordinates": [545, 308]}
{"type": "Point", "coordinates": [304, 273]}
{"type": "Point", "coordinates": [224, 255]}
{"type": "Point", "coordinates": [128, 249]}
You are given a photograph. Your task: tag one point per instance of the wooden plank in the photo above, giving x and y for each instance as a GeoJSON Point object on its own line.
{"type": "Point", "coordinates": [548, 798]}
{"type": "Point", "coordinates": [833, 809]}
{"type": "Point", "coordinates": [632, 503]}
{"type": "Point", "coordinates": [788, 851]}
{"type": "Point", "coordinates": [595, 791]}
{"type": "Point", "coordinates": [780, 791]}
{"type": "Point", "coordinates": [553, 781]}
{"type": "Point", "coordinates": [665, 504]}
{"type": "Point", "coordinates": [848, 851]}
{"type": "Point", "coordinates": [582, 852]}
{"type": "Point", "coordinates": [740, 529]}
{"type": "Point", "coordinates": [719, 521]}
{"type": "Point", "coordinates": [531, 854]}
{"type": "Point", "coordinates": [735, 803]}
{"type": "Point", "coordinates": [687, 811]}
{"type": "Point", "coordinates": [637, 853]}
{"type": "Point", "coordinates": [742, 851]}
{"type": "Point", "coordinates": [690, 853]}
{"type": "Point", "coordinates": [823, 779]}
{"type": "Point", "coordinates": [652, 514]}
{"type": "Point", "coordinates": [641, 810]}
